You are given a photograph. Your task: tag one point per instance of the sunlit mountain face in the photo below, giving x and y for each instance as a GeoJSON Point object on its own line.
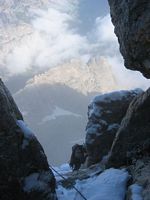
{"type": "Point", "coordinates": [54, 57]}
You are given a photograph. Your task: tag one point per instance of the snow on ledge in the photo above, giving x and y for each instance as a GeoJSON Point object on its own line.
{"type": "Point", "coordinates": [116, 95]}
{"type": "Point", "coordinates": [109, 185]}
{"type": "Point", "coordinates": [59, 112]}
{"type": "Point", "coordinates": [96, 109]}
{"type": "Point", "coordinates": [28, 134]}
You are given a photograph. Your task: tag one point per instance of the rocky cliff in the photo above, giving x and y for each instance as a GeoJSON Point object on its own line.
{"type": "Point", "coordinates": [131, 145]}
{"type": "Point", "coordinates": [132, 27]}
{"type": "Point", "coordinates": [132, 139]}
{"type": "Point", "coordinates": [104, 117]}
{"type": "Point", "coordinates": [24, 170]}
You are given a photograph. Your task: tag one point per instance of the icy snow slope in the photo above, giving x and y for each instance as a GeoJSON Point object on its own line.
{"type": "Point", "coordinates": [109, 185]}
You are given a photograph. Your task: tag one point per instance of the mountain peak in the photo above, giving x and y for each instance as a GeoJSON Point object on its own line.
{"type": "Point", "coordinates": [94, 76]}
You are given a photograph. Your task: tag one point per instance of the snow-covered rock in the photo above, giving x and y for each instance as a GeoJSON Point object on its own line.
{"type": "Point", "coordinates": [132, 138]}
{"type": "Point", "coordinates": [105, 113]}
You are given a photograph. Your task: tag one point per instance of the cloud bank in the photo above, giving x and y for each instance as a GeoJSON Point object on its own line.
{"type": "Point", "coordinates": [52, 40]}
{"type": "Point", "coordinates": [56, 39]}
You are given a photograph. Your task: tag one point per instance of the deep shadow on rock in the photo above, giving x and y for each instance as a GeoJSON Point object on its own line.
{"type": "Point", "coordinates": [104, 117]}
{"type": "Point", "coordinates": [140, 172]}
{"type": "Point", "coordinates": [24, 170]}
{"type": "Point", "coordinates": [132, 27]}
{"type": "Point", "coordinates": [133, 137]}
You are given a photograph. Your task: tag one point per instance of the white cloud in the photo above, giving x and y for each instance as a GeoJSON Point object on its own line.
{"type": "Point", "coordinates": [126, 78]}
{"type": "Point", "coordinates": [105, 30]}
{"type": "Point", "coordinates": [103, 38]}
{"type": "Point", "coordinates": [55, 40]}
{"type": "Point", "coordinates": [52, 42]}
{"type": "Point", "coordinates": [107, 44]}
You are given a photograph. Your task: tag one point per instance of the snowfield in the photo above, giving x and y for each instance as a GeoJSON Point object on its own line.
{"type": "Point", "coordinates": [109, 185]}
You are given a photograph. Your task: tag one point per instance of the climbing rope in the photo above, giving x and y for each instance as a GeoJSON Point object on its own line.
{"type": "Point", "coordinates": [67, 180]}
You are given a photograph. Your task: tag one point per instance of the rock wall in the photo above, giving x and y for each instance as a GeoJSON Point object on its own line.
{"type": "Point", "coordinates": [132, 27]}
{"type": "Point", "coordinates": [140, 172]}
{"type": "Point", "coordinates": [133, 137]}
{"type": "Point", "coordinates": [24, 170]}
{"type": "Point", "coordinates": [104, 117]}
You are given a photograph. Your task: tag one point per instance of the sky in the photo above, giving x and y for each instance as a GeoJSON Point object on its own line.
{"type": "Point", "coordinates": [65, 30]}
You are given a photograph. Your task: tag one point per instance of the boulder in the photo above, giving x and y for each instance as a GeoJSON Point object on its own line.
{"type": "Point", "coordinates": [105, 113]}
{"type": "Point", "coordinates": [24, 170]}
{"type": "Point", "coordinates": [132, 27]}
{"type": "Point", "coordinates": [132, 140]}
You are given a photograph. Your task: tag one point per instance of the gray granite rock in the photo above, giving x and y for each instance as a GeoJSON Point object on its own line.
{"type": "Point", "coordinates": [132, 27]}
{"type": "Point", "coordinates": [133, 137]}
{"type": "Point", "coordinates": [104, 117]}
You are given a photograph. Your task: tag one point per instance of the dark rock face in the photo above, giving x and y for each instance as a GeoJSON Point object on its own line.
{"type": "Point", "coordinates": [132, 27]}
{"type": "Point", "coordinates": [24, 170]}
{"type": "Point", "coordinates": [133, 137]}
{"type": "Point", "coordinates": [140, 172]}
{"type": "Point", "coordinates": [104, 117]}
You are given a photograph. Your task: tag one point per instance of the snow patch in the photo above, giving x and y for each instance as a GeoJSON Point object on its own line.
{"type": "Point", "coordinates": [109, 185]}
{"type": "Point", "coordinates": [58, 112]}
{"type": "Point", "coordinates": [28, 134]}
{"type": "Point", "coordinates": [92, 132]}
{"type": "Point", "coordinates": [37, 181]}
{"type": "Point", "coordinates": [95, 108]}
{"type": "Point", "coordinates": [114, 96]}
{"type": "Point", "coordinates": [136, 191]}
{"type": "Point", "coordinates": [63, 169]}
{"type": "Point", "coordinates": [113, 126]}
{"type": "Point", "coordinates": [94, 129]}
{"type": "Point", "coordinates": [32, 183]}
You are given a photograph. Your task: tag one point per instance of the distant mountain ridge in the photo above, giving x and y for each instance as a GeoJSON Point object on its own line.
{"type": "Point", "coordinates": [62, 95]}
{"type": "Point", "coordinates": [96, 75]}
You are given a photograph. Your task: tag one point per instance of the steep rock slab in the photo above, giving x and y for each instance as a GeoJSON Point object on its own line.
{"type": "Point", "coordinates": [24, 170]}
{"type": "Point", "coordinates": [132, 27]}
{"type": "Point", "coordinates": [104, 117]}
{"type": "Point", "coordinates": [133, 137]}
